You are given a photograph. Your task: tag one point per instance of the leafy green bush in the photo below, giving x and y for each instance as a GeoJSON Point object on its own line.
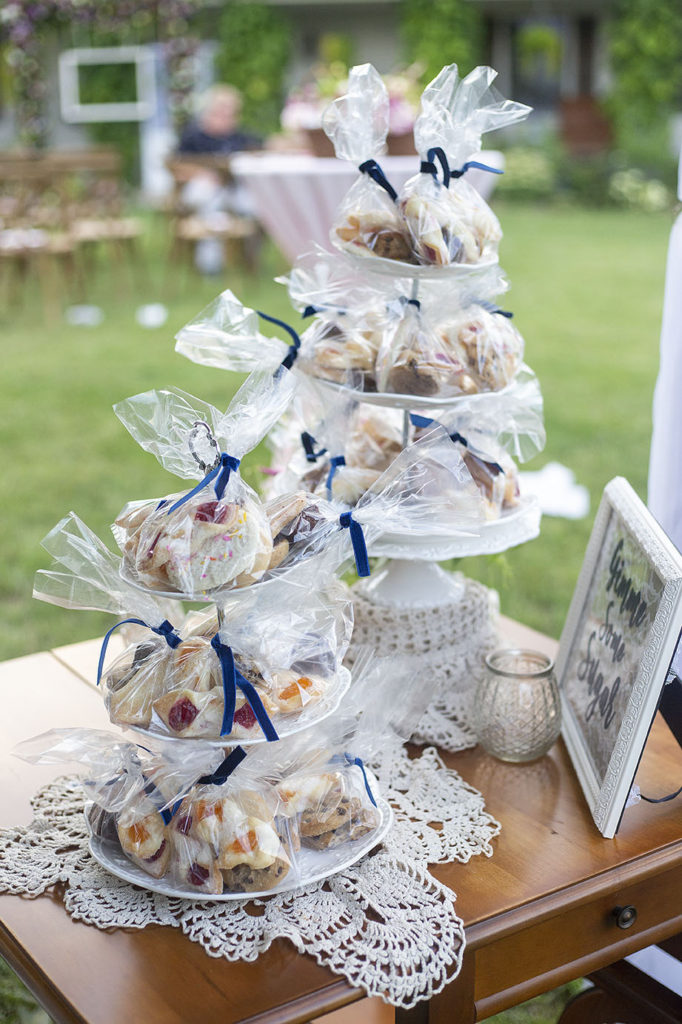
{"type": "Point", "coordinates": [253, 56]}
{"type": "Point", "coordinates": [530, 173]}
{"type": "Point", "coordinates": [438, 32]}
{"type": "Point", "coordinates": [646, 59]}
{"type": "Point", "coordinates": [632, 188]}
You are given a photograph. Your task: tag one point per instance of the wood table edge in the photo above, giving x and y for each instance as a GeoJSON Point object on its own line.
{"type": "Point", "coordinates": [59, 1009]}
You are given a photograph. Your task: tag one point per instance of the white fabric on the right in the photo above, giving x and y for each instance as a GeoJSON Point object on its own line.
{"type": "Point", "coordinates": [665, 461]}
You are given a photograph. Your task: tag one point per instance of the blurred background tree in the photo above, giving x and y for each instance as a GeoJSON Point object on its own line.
{"type": "Point", "coordinates": [254, 51]}
{"type": "Point", "coordinates": [646, 60]}
{"type": "Point", "coordinates": [438, 32]}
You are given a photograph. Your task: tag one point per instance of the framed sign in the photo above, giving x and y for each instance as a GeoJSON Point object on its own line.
{"type": "Point", "coordinates": [616, 648]}
{"type": "Point", "coordinates": [139, 106]}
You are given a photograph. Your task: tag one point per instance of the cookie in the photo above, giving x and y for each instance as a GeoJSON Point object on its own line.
{"type": "Point", "coordinates": [134, 681]}
{"type": "Point", "coordinates": [411, 378]}
{"type": "Point", "coordinates": [143, 839]}
{"type": "Point", "coordinates": [280, 550]}
{"type": "Point", "coordinates": [346, 833]}
{"type": "Point", "coordinates": [247, 879]}
{"type": "Point", "coordinates": [284, 510]}
{"type": "Point", "coordinates": [322, 819]}
{"type": "Point", "coordinates": [391, 245]}
{"type": "Point", "coordinates": [188, 713]}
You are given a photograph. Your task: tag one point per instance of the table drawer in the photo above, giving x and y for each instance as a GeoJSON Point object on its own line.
{"type": "Point", "coordinates": [575, 939]}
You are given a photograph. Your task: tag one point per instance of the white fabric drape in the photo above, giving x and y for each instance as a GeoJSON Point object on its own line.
{"type": "Point", "coordinates": [665, 462]}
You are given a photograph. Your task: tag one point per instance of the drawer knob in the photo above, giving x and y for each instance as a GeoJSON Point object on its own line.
{"type": "Point", "coordinates": [625, 916]}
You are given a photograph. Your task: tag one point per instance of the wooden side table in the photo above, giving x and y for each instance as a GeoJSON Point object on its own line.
{"type": "Point", "coordinates": [538, 914]}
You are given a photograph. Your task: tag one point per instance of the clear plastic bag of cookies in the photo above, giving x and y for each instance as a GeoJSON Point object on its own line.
{"type": "Point", "coordinates": [217, 534]}
{"type": "Point", "coordinates": [206, 823]}
{"type": "Point", "coordinates": [227, 335]}
{"type": "Point", "coordinates": [425, 490]}
{"type": "Point", "coordinates": [368, 222]}
{"type": "Point", "coordinates": [447, 219]}
{"type": "Point", "coordinates": [273, 664]}
{"type": "Point", "coordinates": [344, 451]}
{"type": "Point", "coordinates": [512, 420]}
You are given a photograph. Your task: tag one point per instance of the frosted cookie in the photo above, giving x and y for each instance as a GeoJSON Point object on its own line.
{"type": "Point", "coordinates": [202, 545]}
{"type": "Point", "coordinates": [143, 838]}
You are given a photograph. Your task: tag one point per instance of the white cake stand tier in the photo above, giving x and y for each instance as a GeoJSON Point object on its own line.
{"type": "Point", "coordinates": [515, 527]}
{"type": "Point", "coordinates": [391, 400]}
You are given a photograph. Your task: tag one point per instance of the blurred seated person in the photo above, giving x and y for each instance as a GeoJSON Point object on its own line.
{"type": "Point", "coordinates": [215, 132]}
{"type": "Point", "coordinates": [216, 127]}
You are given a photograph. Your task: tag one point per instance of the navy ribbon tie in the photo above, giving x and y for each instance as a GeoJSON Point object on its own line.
{"type": "Point", "coordinates": [334, 463]}
{"type": "Point", "coordinates": [475, 163]}
{"type": "Point", "coordinates": [309, 442]}
{"type": "Point", "coordinates": [166, 630]}
{"type": "Point", "coordinates": [232, 678]}
{"type": "Point", "coordinates": [221, 474]}
{"type": "Point", "coordinates": [490, 307]}
{"type": "Point", "coordinates": [222, 773]}
{"type": "Point", "coordinates": [290, 357]}
{"type": "Point", "coordinates": [357, 538]}
{"type": "Point", "coordinates": [424, 421]}
{"type": "Point", "coordinates": [357, 761]}
{"type": "Point", "coordinates": [309, 311]}
{"type": "Point", "coordinates": [167, 813]}
{"type": "Point", "coordinates": [372, 168]}
{"type": "Point", "coordinates": [428, 166]}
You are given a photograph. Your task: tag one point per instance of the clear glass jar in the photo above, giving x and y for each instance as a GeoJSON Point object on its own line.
{"type": "Point", "coordinates": [517, 711]}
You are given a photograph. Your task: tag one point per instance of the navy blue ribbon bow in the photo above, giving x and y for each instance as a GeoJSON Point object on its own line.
{"type": "Point", "coordinates": [232, 678]}
{"type": "Point", "coordinates": [347, 758]}
{"type": "Point", "coordinates": [428, 166]}
{"type": "Point", "coordinates": [424, 421]}
{"type": "Point", "coordinates": [290, 357]}
{"type": "Point", "coordinates": [334, 463]}
{"type": "Point", "coordinates": [222, 773]}
{"type": "Point", "coordinates": [372, 168]}
{"type": "Point", "coordinates": [217, 778]}
{"type": "Point", "coordinates": [166, 630]}
{"type": "Point", "coordinates": [357, 538]}
{"type": "Point", "coordinates": [166, 813]}
{"type": "Point", "coordinates": [221, 474]}
{"type": "Point", "coordinates": [492, 308]}
{"type": "Point", "coordinates": [475, 163]}
{"type": "Point", "coordinates": [309, 442]}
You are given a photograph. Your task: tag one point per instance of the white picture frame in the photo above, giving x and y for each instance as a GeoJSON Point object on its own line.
{"type": "Point", "coordinates": [616, 647]}
{"type": "Point", "coordinates": [75, 112]}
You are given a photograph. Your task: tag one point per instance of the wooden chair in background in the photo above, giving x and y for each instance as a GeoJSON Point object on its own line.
{"type": "Point", "coordinates": [241, 235]}
{"type": "Point", "coordinates": [92, 184]}
{"type": "Point", "coordinates": [35, 234]}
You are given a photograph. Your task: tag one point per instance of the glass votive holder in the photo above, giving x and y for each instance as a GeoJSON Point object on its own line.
{"type": "Point", "coordinates": [517, 710]}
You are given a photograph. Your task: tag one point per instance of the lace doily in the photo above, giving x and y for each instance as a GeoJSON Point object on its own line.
{"type": "Point", "coordinates": [449, 642]}
{"type": "Point", "coordinates": [384, 924]}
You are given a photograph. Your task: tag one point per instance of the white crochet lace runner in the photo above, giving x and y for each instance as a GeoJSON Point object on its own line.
{"type": "Point", "coordinates": [448, 643]}
{"type": "Point", "coordinates": [385, 924]}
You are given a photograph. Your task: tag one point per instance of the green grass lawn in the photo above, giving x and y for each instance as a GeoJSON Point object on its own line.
{"type": "Point", "coordinates": [586, 292]}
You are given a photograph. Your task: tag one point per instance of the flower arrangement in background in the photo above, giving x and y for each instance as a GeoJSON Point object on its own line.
{"type": "Point", "coordinates": [305, 104]}
{"type": "Point", "coordinates": [25, 23]}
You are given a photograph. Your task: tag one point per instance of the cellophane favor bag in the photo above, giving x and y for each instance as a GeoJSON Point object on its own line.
{"type": "Point", "coordinates": [217, 534]}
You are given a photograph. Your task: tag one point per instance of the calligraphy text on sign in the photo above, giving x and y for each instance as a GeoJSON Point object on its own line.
{"type": "Point", "coordinates": [608, 641]}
